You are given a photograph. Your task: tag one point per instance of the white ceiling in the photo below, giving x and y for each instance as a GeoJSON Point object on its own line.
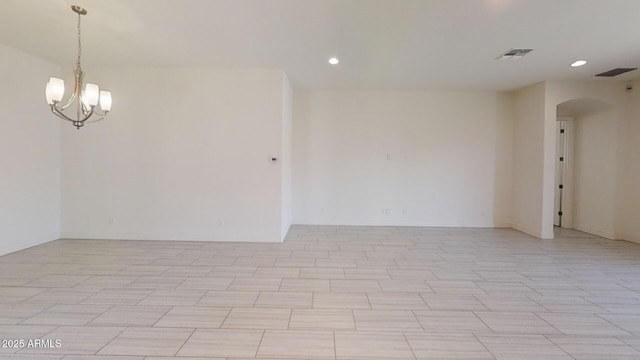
{"type": "Point", "coordinates": [381, 44]}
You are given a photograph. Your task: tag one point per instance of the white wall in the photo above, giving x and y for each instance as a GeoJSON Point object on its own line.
{"type": "Point", "coordinates": [286, 205]}
{"type": "Point", "coordinates": [528, 153]}
{"type": "Point", "coordinates": [628, 214]}
{"type": "Point", "coordinates": [595, 170]}
{"type": "Point", "coordinates": [29, 153]}
{"type": "Point", "coordinates": [402, 158]}
{"type": "Point", "coordinates": [184, 155]}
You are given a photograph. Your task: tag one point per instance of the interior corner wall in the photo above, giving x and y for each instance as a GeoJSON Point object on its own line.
{"type": "Point", "coordinates": [528, 161]}
{"type": "Point", "coordinates": [406, 158]}
{"type": "Point", "coordinates": [505, 116]}
{"type": "Point", "coordinates": [29, 153]}
{"type": "Point", "coordinates": [185, 154]}
{"type": "Point", "coordinates": [286, 156]}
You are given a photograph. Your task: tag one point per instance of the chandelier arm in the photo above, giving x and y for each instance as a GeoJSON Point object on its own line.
{"type": "Point", "coordinates": [74, 95]}
{"type": "Point", "coordinates": [77, 88]}
{"type": "Point", "coordinates": [85, 110]}
{"type": "Point", "coordinates": [100, 113]}
{"type": "Point", "coordinates": [87, 116]}
{"type": "Point", "coordinates": [58, 112]}
{"type": "Point", "coordinates": [95, 120]}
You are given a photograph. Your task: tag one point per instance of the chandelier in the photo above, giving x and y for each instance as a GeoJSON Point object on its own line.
{"type": "Point", "coordinates": [86, 96]}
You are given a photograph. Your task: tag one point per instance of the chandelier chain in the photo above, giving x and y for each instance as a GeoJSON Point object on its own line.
{"type": "Point", "coordinates": [79, 43]}
{"type": "Point", "coordinates": [79, 107]}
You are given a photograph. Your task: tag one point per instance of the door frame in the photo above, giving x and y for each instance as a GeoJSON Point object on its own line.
{"type": "Point", "coordinates": [569, 160]}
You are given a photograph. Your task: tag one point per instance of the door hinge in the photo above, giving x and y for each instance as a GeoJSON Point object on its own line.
{"type": "Point", "coordinates": [561, 186]}
{"type": "Point", "coordinates": [560, 213]}
{"type": "Point", "coordinates": [561, 158]}
{"type": "Point", "coordinates": [561, 131]}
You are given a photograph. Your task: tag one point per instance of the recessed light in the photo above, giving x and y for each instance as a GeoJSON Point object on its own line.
{"type": "Point", "coordinates": [334, 61]}
{"type": "Point", "coordinates": [578, 63]}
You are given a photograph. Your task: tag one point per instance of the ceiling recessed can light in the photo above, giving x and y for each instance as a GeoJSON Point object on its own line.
{"type": "Point", "coordinates": [334, 61]}
{"type": "Point", "coordinates": [578, 63]}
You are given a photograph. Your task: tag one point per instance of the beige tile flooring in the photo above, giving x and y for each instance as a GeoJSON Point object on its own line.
{"type": "Point", "coordinates": [327, 292]}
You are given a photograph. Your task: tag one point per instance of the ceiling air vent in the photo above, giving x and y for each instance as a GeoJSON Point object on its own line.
{"type": "Point", "coordinates": [514, 54]}
{"type": "Point", "coordinates": [615, 72]}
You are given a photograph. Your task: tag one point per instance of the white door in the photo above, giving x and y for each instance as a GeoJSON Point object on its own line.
{"type": "Point", "coordinates": [561, 156]}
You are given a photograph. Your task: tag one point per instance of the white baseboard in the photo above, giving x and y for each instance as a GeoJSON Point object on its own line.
{"type": "Point", "coordinates": [15, 247]}
{"type": "Point", "coordinates": [533, 232]}
{"type": "Point", "coordinates": [168, 237]}
{"type": "Point", "coordinates": [635, 238]}
{"type": "Point", "coordinates": [604, 234]}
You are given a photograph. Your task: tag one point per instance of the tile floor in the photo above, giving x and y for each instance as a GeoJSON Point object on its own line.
{"type": "Point", "coordinates": [326, 293]}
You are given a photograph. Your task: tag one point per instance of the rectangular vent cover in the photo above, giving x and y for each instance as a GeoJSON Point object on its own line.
{"type": "Point", "coordinates": [615, 72]}
{"type": "Point", "coordinates": [514, 54]}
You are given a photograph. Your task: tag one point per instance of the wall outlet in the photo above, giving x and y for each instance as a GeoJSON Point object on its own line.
{"type": "Point", "coordinates": [220, 222]}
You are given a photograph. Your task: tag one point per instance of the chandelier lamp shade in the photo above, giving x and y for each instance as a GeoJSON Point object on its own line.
{"type": "Point", "coordinates": [85, 96]}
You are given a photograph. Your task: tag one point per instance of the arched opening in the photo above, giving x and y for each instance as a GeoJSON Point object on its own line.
{"type": "Point", "coordinates": [586, 166]}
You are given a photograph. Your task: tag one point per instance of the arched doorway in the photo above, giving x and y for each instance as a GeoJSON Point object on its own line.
{"type": "Point", "coordinates": [586, 169]}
